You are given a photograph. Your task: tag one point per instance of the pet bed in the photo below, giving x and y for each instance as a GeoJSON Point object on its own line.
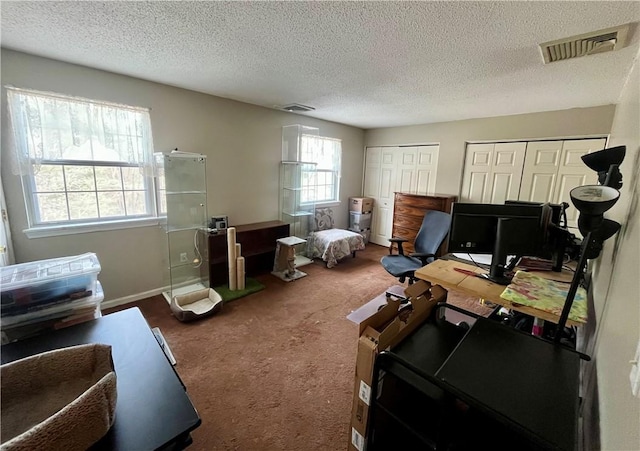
{"type": "Point", "coordinates": [331, 244]}
{"type": "Point", "coordinates": [197, 304]}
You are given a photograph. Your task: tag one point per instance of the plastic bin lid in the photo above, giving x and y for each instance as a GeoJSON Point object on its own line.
{"type": "Point", "coordinates": [30, 273]}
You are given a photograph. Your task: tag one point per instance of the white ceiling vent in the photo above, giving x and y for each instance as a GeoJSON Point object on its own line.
{"type": "Point", "coordinates": [296, 108]}
{"type": "Point", "coordinates": [585, 44]}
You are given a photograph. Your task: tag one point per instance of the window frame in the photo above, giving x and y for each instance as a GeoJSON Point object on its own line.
{"type": "Point", "coordinates": [335, 174]}
{"type": "Point", "coordinates": [33, 208]}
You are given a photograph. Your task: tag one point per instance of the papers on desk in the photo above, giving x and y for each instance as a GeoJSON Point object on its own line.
{"type": "Point", "coordinates": [547, 295]}
{"type": "Point", "coordinates": [479, 259]}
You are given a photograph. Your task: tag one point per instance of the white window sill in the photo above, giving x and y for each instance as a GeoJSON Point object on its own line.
{"type": "Point", "coordinates": [333, 203]}
{"type": "Point", "coordinates": [72, 229]}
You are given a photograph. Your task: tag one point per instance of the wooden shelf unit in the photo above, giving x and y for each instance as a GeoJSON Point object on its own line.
{"type": "Point", "coordinates": [258, 241]}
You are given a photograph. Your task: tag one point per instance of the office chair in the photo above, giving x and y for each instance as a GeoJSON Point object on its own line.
{"type": "Point", "coordinates": [434, 229]}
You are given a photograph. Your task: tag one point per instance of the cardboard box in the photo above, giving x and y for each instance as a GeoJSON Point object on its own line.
{"type": "Point", "coordinates": [381, 330]}
{"type": "Point", "coordinates": [360, 204]}
{"type": "Point", "coordinates": [359, 221]}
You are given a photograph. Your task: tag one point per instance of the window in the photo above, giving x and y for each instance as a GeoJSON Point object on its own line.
{"type": "Point", "coordinates": [82, 161]}
{"type": "Point", "coordinates": [326, 152]}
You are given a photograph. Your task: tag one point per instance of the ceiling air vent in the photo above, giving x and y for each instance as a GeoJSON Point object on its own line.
{"type": "Point", "coordinates": [585, 44]}
{"type": "Point", "coordinates": [296, 108]}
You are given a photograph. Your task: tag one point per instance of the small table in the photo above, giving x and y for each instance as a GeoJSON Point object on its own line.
{"type": "Point", "coordinates": [153, 409]}
{"type": "Point", "coordinates": [442, 272]}
{"type": "Point", "coordinates": [284, 265]}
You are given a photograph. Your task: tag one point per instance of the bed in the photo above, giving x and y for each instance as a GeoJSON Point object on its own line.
{"type": "Point", "coordinates": [331, 244]}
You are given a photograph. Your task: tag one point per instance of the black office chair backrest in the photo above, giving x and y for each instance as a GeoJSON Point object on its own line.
{"type": "Point", "coordinates": [433, 231]}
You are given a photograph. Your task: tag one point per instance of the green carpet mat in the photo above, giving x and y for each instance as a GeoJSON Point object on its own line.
{"type": "Point", "coordinates": [251, 286]}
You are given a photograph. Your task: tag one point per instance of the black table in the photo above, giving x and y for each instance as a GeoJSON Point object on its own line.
{"type": "Point", "coordinates": [528, 388]}
{"type": "Point", "coordinates": [531, 384]}
{"type": "Point", "coordinates": [153, 410]}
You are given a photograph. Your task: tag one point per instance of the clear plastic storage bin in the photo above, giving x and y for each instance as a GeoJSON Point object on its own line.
{"type": "Point", "coordinates": [359, 221]}
{"type": "Point", "coordinates": [29, 287]}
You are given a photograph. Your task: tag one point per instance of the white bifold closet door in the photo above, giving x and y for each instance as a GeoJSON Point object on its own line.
{"type": "Point", "coordinates": [492, 172]}
{"type": "Point", "coordinates": [537, 171]}
{"type": "Point", "coordinates": [407, 169]}
{"type": "Point", "coordinates": [553, 168]}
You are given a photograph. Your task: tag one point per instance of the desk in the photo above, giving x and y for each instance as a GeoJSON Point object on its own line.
{"type": "Point", "coordinates": [441, 272]}
{"type": "Point", "coordinates": [522, 391]}
{"type": "Point", "coordinates": [153, 409]}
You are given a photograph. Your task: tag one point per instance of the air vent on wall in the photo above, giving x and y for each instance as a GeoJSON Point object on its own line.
{"type": "Point", "coordinates": [585, 44]}
{"type": "Point", "coordinates": [296, 108]}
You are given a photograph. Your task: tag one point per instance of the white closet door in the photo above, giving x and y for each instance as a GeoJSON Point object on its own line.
{"type": "Point", "coordinates": [406, 170]}
{"type": "Point", "coordinates": [477, 171]}
{"type": "Point", "coordinates": [382, 218]}
{"type": "Point", "coordinates": [572, 172]}
{"type": "Point", "coordinates": [372, 172]}
{"type": "Point", "coordinates": [426, 166]}
{"type": "Point", "coordinates": [492, 172]}
{"type": "Point", "coordinates": [506, 171]}
{"type": "Point", "coordinates": [540, 171]}
{"type": "Point", "coordinates": [410, 169]}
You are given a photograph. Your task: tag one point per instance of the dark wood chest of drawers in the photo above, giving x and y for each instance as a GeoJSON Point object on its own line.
{"type": "Point", "coordinates": [258, 242]}
{"type": "Point", "coordinates": [408, 213]}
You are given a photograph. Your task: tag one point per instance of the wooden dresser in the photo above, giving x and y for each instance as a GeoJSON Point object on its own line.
{"type": "Point", "coordinates": [408, 213]}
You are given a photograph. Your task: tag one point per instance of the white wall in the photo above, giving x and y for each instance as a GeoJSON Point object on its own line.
{"type": "Point", "coordinates": [242, 142]}
{"type": "Point", "coordinates": [617, 286]}
{"type": "Point", "coordinates": [453, 136]}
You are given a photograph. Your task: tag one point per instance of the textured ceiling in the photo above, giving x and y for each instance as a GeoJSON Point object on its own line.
{"type": "Point", "coordinates": [367, 64]}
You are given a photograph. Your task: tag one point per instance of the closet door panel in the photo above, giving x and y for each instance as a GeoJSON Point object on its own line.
{"type": "Point", "coordinates": [502, 185]}
{"type": "Point", "coordinates": [426, 167]}
{"type": "Point", "coordinates": [506, 171]}
{"type": "Point", "coordinates": [566, 183]}
{"type": "Point", "coordinates": [572, 172]}
{"type": "Point", "coordinates": [476, 188]}
{"type": "Point", "coordinates": [477, 169]}
{"type": "Point", "coordinates": [540, 188]}
{"type": "Point", "coordinates": [540, 169]}
{"type": "Point", "coordinates": [383, 204]}
{"type": "Point", "coordinates": [372, 172]}
{"type": "Point", "coordinates": [406, 169]}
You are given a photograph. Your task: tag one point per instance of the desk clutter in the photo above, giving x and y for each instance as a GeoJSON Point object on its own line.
{"type": "Point", "coordinates": [423, 382]}
{"type": "Point", "coordinates": [546, 295]}
{"type": "Point", "coordinates": [49, 294]}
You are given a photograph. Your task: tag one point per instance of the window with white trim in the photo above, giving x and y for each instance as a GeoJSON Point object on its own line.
{"type": "Point", "coordinates": [82, 161]}
{"type": "Point", "coordinates": [327, 153]}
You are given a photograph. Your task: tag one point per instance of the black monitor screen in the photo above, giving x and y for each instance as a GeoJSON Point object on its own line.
{"type": "Point", "coordinates": [499, 230]}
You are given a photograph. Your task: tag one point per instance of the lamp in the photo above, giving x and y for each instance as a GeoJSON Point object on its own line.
{"type": "Point", "coordinates": [592, 201]}
{"type": "Point", "coordinates": [606, 163]}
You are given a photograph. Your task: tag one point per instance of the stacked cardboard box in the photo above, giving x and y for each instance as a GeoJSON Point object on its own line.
{"type": "Point", "coordinates": [360, 209]}
{"type": "Point", "coordinates": [381, 328]}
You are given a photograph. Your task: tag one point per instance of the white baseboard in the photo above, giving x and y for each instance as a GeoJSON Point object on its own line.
{"type": "Point", "coordinates": [132, 298]}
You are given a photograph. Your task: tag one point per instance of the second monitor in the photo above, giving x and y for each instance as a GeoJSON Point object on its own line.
{"type": "Point", "coordinates": [499, 230]}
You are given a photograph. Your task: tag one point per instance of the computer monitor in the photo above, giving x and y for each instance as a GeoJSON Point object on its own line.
{"type": "Point", "coordinates": [499, 230]}
{"type": "Point", "coordinates": [557, 233]}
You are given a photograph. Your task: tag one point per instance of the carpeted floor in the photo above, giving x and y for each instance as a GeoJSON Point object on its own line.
{"type": "Point", "coordinates": [274, 370]}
